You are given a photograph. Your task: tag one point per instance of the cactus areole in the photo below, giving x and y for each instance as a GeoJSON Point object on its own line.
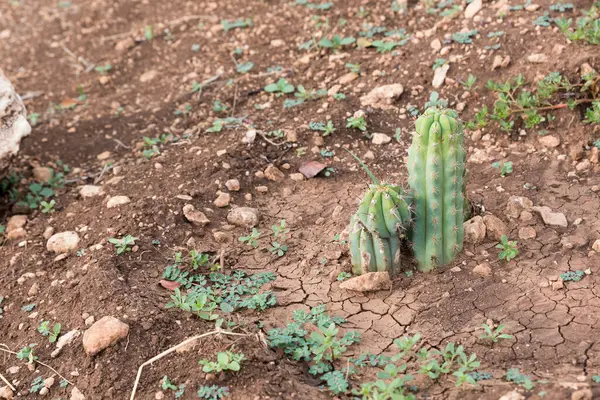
{"type": "Point", "coordinates": [436, 168]}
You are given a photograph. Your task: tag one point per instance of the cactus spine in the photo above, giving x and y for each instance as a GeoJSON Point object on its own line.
{"type": "Point", "coordinates": [376, 228]}
{"type": "Point", "coordinates": [436, 168]}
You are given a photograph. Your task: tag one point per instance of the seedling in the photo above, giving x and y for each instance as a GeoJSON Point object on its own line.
{"type": "Point", "coordinates": [213, 392]}
{"type": "Point", "coordinates": [339, 96]}
{"type": "Point", "coordinates": [37, 385]}
{"type": "Point", "coordinates": [464, 37]}
{"type": "Point", "coordinates": [278, 249]}
{"type": "Point", "coordinates": [148, 34]}
{"type": "Point", "coordinates": [280, 231]}
{"type": "Point", "coordinates": [219, 106]}
{"type": "Point", "coordinates": [166, 384]}
{"type": "Point", "coordinates": [123, 245]}
{"type": "Point", "coordinates": [252, 238]}
{"type": "Point", "coordinates": [28, 307]}
{"type": "Point", "coordinates": [506, 167]}
{"type": "Point", "coordinates": [439, 62]}
{"type": "Point", "coordinates": [197, 303]}
{"type": "Point", "coordinates": [509, 248]}
{"type": "Point", "coordinates": [53, 333]}
{"type": "Point", "coordinates": [33, 118]}
{"type": "Point", "coordinates": [103, 69]}
{"type": "Point", "coordinates": [572, 276]}
{"type": "Point", "coordinates": [386, 46]}
{"type": "Point", "coordinates": [311, 94]}
{"type": "Point", "coordinates": [184, 110]}
{"type": "Point", "coordinates": [515, 376]}
{"type": "Point", "coordinates": [327, 129]}
{"type": "Point", "coordinates": [226, 361]}
{"type": "Point", "coordinates": [47, 207]}
{"type": "Point", "coordinates": [280, 87]}
{"type": "Point", "coordinates": [26, 354]}
{"type": "Point", "coordinates": [587, 28]}
{"type": "Point", "coordinates": [494, 334]}
{"type": "Point", "coordinates": [355, 68]}
{"type": "Point", "coordinates": [336, 42]}
{"type": "Point", "coordinates": [342, 276]}
{"type": "Point", "coordinates": [240, 23]}
{"type": "Point", "coordinates": [245, 67]}
{"type": "Point", "coordinates": [469, 83]}
{"type": "Point", "coordinates": [198, 259]}
{"type": "Point", "coordinates": [357, 123]}
{"type": "Point", "coordinates": [327, 153]}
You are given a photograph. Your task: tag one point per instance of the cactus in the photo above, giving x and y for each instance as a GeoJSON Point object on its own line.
{"type": "Point", "coordinates": [436, 168]}
{"type": "Point", "coordinates": [376, 228]}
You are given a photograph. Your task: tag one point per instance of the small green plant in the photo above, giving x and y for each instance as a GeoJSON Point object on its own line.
{"type": "Point", "coordinates": [464, 37]}
{"type": "Point", "coordinates": [280, 231]}
{"type": "Point", "coordinates": [439, 62]}
{"type": "Point", "coordinates": [219, 106]}
{"type": "Point", "coordinates": [26, 354]}
{"type": "Point", "coordinates": [592, 114]}
{"type": "Point", "coordinates": [33, 118]}
{"type": "Point", "coordinates": [336, 42]}
{"type": "Point", "coordinates": [339, 96]}
{"type": "Point", "coordinates": [515, 376]}
{"type": "Point", "coordinates": [280, 87]}
{"type": "Point", "coordinates": [240, 23]}
{"type": "Point", "coordinates": [327, 129]}
{"type": "Point", "coordinates": [587, 28]}
{"type": "Point", "coordinates": [166, 384]}
{"type": "Point", "coordinates": [596, 378]}
{"type": "Point", "coordinates": [37, 385]}
{"type": "Point", "coordinates": [53, 333]}
{"type": "Point", "coordinates": [494, 334]}
{"type": "Point", "coordinates": [355, 68]}
{"type": "Point", "coordinates": [226, 361]}
{"type": "Point", "coordinates": [252, 238]}
{"type": "Point", "coordinates": [245, 67]}
{"type": "Point", "coordinates": [28, 307]}
{"type": "Point", "coordinates": [148, 33]}
{"type": "Point", "coordinates": [342, 276]}
{"type": "Point", "coordinates": [572, 276]}
{"type": "Point", "coordinates": [278, 249]}
{"type": "Point", "coordinates": [506, 167]}
{"type": "Point", "coordinates": [184, 110]}
{"type": "Point", "coordinates": [47, 207]}
{"type": "Point", "coordinates": [469, 83]}
{"type": "Point", "coordinates": [509, 248]}
{"type": "Point", "coordinates": [213, 392]}
{"type": "Point", "coordinates": [123, 245]}
{"type": "Point", "coordinates": [194, 302]}
{"type": "Point", "coordinates": [103, 69]}
{"type": "Point", "coordinates": [311, 94]}
{"type": "Point", "coordinates": [357, 123]}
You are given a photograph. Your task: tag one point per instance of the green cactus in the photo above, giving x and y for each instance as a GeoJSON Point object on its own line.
{"type": "Point", "coordinates": [376, 228]}
{"type": "Point", "coordinates": [436, 169]}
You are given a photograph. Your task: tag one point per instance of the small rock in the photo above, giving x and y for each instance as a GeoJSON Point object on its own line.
{"type": "Point", "coordinates": [15, 227]}
{"type": "Point", "coordinates": [517, 204]}
{"type": "Point", "coordinates": [436, 44]}
{"type": "Point", "coordinates": [382, 96]}
{"type": "Point", "coordinates": [274, 174]}
{"type": "Point", "coordinates": [558, 49]}
{"type": "Point", "coordinates": [125, 44]}
{"type": "Point", "coordinates": [48, 232]}
{"type": "Point", "coordinates": [551, 218]}
{"type": "Point", "coordinates": [380, 138]}
{"type": "Point", "coordinates": [483, 269]}
{"type": "Point", "coordinates": [34, 290]}
{"type": "Point", "coordinates": [148, 76]}
{"type": "Point", "coordinates": [277, 43]}
{"type": "Point", "coordinates": [233, 185]}
{"type": "Point", "coordinates": [64, 340]}
{"type": "Point", "coordinates": [583, 165]}
{"type": "Point", "coordinates": [527, 232]}
{"type": "Point", "coordinates": [513, 395]}
{"type": "Point", "coordinates": [455, 269]}
{"type": "Point", "coordinates": [526, 216]}
{"type": "Point", "coordinates": [549, 141]}
{"type": "Point", "coordinates": [42, 174]}
{"type": "Point", "coordinates": [88, 191]}
{"type": "Point", "coordinates": [439, 76]}
{"type": "Point", "coordinates": [76, 394]}
{"type": "Point", "coordinates": [574, 241]}
{"type": "Point", "coordinates": [14, 370]}
{"type": "Point", "coordinates": [371, 281]}
{"type": "Point", "coordinates": [117, 201]}
{"type": "Point", "coordinates": [246, 217]}
{"type": "Point", "coordinates": [475, 230]}
{"type": "Point", "coordinates": [596, 246]}
{"type": "Point", "coordinates": [6, 393]}
{"type": "Point", "coordinates": [105, 155]}
{"type": "Point", "coordinates": [103, 334]}
{"type": "Point", "coordinates": [297, 176]}
{"type": "Point", "coordinates": [197, 218]}
{"type": "Point", "coordinates": [347, 78]}
{"type": "Point", "coordinates": [63, 242]}
{"type": "Point", "coordinates": [532, 7]}
{"type": "Point", "coordinates": [473, 8]}
{"type": "Point", "coordinates": [537, 58]}
{"type": "Point", "coordinates": [557, 285]}
{"type": "Point", "coordinates": [222, 200]}
{"type": "Point", "coordinates": [582, 394]}
{"type": "Point", "coordinates": [249, 137]}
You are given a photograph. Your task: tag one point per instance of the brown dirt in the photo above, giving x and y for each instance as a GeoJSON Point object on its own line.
{"type": "Point", "coordinates": [555, 331]}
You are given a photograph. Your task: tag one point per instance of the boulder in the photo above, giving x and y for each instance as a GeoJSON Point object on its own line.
{"type": "Point", "coordinates": [13, 122]}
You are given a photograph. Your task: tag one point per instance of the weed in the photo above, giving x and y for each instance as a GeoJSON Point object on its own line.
{"type": "Point", "coordinates": [596, 378]}
{"type": "Point", "coordinates": [336, 42]}
{"type": "Point", "coordinates": [53, 333]}
{"type": "Point", "coordinates": [479, 120]}
{"type": "Point", "coordinates": [166, 384]}
{"type": "Point", "coordinates": [37, 385]}
{"type": "Point", "coordinates": [515, 376]}
{"type": "Point", "coordinates": [148, 34]}
{"type": "Point", "coordinates": [33, 118]}
{"type": "Point", "coordinates": [469, 83]}
{"type": "Point", "coordinates": [387, 45]}
{"type": "Point", "coordinates": [355, 68]}
{"type": "Point", "coordinates": [327, 129]}
{"type": "Point", "coordinates": [280, 87]}
{"type": "Point", "coordinates": [184, 110]}
{"type": "Point", "coordinates": [245, 67]}
{"type": "Point", "coordinates": [509, 248]}
{"type": "Point", "coordinates": [280, 231]}
{"type": "Point", "coordinates": [26, 354]}
{"type": "Point", "coordinates": [587, 28]}
{"type": "Point", "coordinates": [480, 376]}
{"type": "Point", "coordinates": [494, 334]}
{"type": "Point", "coordinates": [47, 207]}
{"type": "Point", "coordinates": [28, 307]}
{"type": "Point", "coordinates": [592, 114]}
{"type": "Point", "coordinates": [278, 249]}
{"type": "Point", "coordinates": [327, 153]}
{"type": "Point", "coordinates": [342, 276]}
{"type": "Point", "coordinates": [506, 167]}
{"type": "Point", "coordinates": [357, 123]}
{"type": "Point", "coordinates": [543, 20]}
{"type": "Point", "coordinates": [339, 96]}
{"type": "Point", "coordinates": [464, 37]}
{"type": "Point", "coordinates": [252, 238]}
{"type": "Point", "coordinates": [213, 392]}
{"type": "Point", "coordinates": [103, 69]}
{"type": "Point", "coordinates": [572, 276]}
{"type": "Point", "coordinates": [311, 94]}
{"type": "Point", "coordinates": [123, 245]}
{"type": "Point", "coordinates": [438, 63]}
{"type": "Point", "coordinates": [219, 106]}
{"type": "Point", "coordinates": [229, 122]}
{"type": "Point", "coordinates": [226, 361]}
{"type": "Point", "coordinates": [194, 302]}
{"type": "Point", "coordinates": [435, 101]}
{"type": "Point", "coordinates": [240, 23]}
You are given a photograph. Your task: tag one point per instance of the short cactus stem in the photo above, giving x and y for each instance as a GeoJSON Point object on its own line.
{"type": "Point", "coordinates": [436, 166]}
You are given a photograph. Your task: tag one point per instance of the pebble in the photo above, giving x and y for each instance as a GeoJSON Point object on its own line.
{"type": "Point", "coordinates": [195, 217]}
{"type": "Point", "coordinates": [42, 174]}
{"type": "Point", "coordinates": [474, 230]}
{"type": "Point", "coordinates": [537, 58]}
{"type": "Point", "coordinates": [274, 174]}
{"type": "Point", "coordinates": [527, 232]}
{"type": "Point", "coordinates": [117, 201]}
{"type": "Point", "coordinates": [148, 76]}
{"type": "Point", "coordinates": [222, 200]}
{"type": "Point", "coordinates": [34, 290]}
{"type": "Point", "coordinates": [232, 185]}
{"type": "Point", "coordinates": [439, 76]}
{"type": "Point", "coordinates": [380, 138]}
{"type": "Point", "coordinates": [103, 334]}
{"type": "Point", "coordinates": [551, 218]}
{"type": "Point", "coordinates": [88, 191]}
{"type": "Point", "coordinates": [483, 269]}
{"type": "Point", "coordinates": [549, 141]}
{"type": "Point", "coordinates": [473, 8]}
{"type": "Point", "coordinates": [246, 217]}
{"type": "Point", "coordinates": [596, 246]}
{"type": "Point", "coordinates": [76, 394]}
{"type": "Point", "coordinates": [63, 242]}
{"type": "Point", "coordinates": [382, 96]}
{"type": "Point", "coordinates": [105, 155]}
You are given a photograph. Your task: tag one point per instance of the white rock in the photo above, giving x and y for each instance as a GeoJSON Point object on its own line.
{"type": "Point", "coordinates": [537, 58]}
{"type": "Point", "coordinates": [551, 218]}
{"type": "Point", "coordinates": [88, 191]}
{"type": "Point", "coordinates": [596, 246]}
{"type": "Point", "coordinates": [382, 96]}
{"type": "Point", "coordinates": [380, 138]}
{"type": "Point", "coordinates": [63, 242]}
{"type": "Point", "coordinates": [13, 122]}
{"type": "Point", "coordinates": [148, 76]}
{"type": "Point", "coordinates": [103, 334]}
{"type": "Point", "coordinates": [473, 8]}
{"type": "Point", "coordinates": [65, 340]}
{"type": "Point", "coordinates": [439, 76]}
{"type": "Point", "coordinates": [233, 185]}
{"type": "Point", "coordinates": [249, 137]}
{"type": "Point", "coordinates": [117, 201]}
{"type": "Point", "coordinates": [194, 216]}
{"type": "Point", "coordinates": [246, 217]}
{"type": "Point", "coordinates": [76, 394]}
{"type": "Point", "coordinates": [436, 45]}
{"type": "Point", "coordinates": [549, 141]}
{"type": "Point", "coordinates": [514, 395]}
{"type": "Point", "coordinates": [6, 393]}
